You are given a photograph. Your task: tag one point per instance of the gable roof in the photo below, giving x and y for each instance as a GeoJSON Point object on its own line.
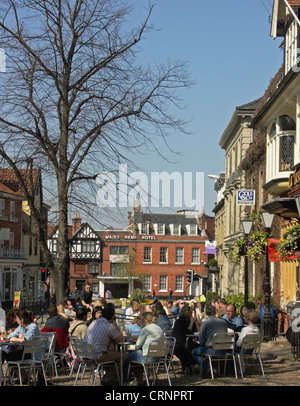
{"type": "Point", "coordinates": [9, 179]}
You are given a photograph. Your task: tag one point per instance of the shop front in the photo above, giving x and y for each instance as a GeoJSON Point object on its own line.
{"type": "Point", "coordinates": [116, 287]}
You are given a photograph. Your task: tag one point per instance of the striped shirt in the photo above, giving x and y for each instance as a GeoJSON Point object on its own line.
{"type": "Point", "coordinates": [99, 333]}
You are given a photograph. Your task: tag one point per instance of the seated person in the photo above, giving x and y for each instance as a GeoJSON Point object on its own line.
{"type": "Point", "coordinates": [58, 324]}
{"type": "Point", "coordinates": [101, 333]}
{"type": "Point", "coordinates": [79, 326]}
{"type": "Point", "coordinates": [69, 309]}
{"type": "Point", "coordinates": [134, 329]}
{"type": "Point", "coordinates": [213, 325]}
{"type": "Point", "coordinates": [251, 328]}
{"type": "Point", "coordinates": [185, 324]}
{"type": "Point", "coordinates": [234, 322]}
{"type": "Point", "coordinates": [96, 314]}
{"type": "Point", "coordinates": [11, 320]}
{"type": "Point", "coordinates": [26, 329]}
{"type": "Point", "coordinates": [177, 306]}
{"type": "Point", "coordinates": [132, 311]}
{"type": "Point", "coordinates": [150, 332]}
{"type": "Point", "coordinates": [163, 320]}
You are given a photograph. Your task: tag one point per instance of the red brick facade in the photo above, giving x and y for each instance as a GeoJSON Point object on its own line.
{"type": "Point", "coordinates": [153, 262]}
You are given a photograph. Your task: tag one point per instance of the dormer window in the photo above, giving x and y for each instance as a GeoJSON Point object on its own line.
{"type": "Point", "coordinates": [176, 229]}
{"type": "Point", "coordinates": [144, 228]}
{"type": "Point", "coordinates": [192, 229]}
{"type": "Point", "coordinates": [159, 229]}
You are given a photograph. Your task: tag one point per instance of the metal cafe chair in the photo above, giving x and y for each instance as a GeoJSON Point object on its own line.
{"type": "Point", "coordinates": [170, 356]}
{"type": "Point", "coordinates": [250, 350]}
{"type": "Point", "coordinates": [223, 347]}
{"type": "Point", "coordinates": [72, 349]}
{"type": "Point", "coordinates": [87, 359]}
{"type": "Point", "coordinates": [158, 349]}
{"type": "Point", "coordinates": [36, 348]}
{"type": "Point", "coordinates": [49, 354]}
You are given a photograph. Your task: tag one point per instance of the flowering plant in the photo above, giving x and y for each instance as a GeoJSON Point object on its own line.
{"type": "Point", "coordinates": [290, 242]}
{"type": "Point", "coordinates": [258, 242]}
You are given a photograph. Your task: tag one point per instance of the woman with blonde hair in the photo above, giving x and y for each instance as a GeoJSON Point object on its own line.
{"type": "Point", "coordinates": [61, 311]}
{"type": "Point", "coordinates": [149, 333]}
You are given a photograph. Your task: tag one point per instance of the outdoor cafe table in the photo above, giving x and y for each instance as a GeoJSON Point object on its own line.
{"type": "Point", "coordinates": [194, 336]}
{"type": "Point", "coordinates": [124, 347]}
{"type": "Point", "coordinates": [2, 344]}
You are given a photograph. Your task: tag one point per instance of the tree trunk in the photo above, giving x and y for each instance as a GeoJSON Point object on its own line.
{"type": "Point", "coordinates": [61, 273]}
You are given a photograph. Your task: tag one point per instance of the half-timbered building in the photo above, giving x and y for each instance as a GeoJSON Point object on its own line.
{"type": "Point", "coordinates": [85, 253]}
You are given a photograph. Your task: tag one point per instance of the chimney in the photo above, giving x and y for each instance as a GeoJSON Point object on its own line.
{"type": "Point", "coordinates": [76, 223]}
{"type": "Point", "coordinates": [129, 218]}
{"type": "Point", "coordinates": [137, 206]}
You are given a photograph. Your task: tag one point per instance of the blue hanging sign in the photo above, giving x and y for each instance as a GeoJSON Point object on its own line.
{"type": "Point", "coordinates": [246, 197]}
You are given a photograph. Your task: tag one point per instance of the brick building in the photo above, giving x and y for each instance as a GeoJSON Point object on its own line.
{"type": "Point", "coordinates": [167, 245]}
{"type": "Point", "coordinates": [153, 253]}
{"type": "Point", "coordinates": [20, 252]}
{"type": "Point", "coordinates": [12, 257]}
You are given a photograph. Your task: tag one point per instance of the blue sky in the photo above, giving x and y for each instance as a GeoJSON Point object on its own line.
{"type": "Point", "coordinates": [232, 59]}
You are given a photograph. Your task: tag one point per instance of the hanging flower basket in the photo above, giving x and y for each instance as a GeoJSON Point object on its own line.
{"type": "Point", "coordinates": [289, 243]}
{"type": "Point", "coordinates": [258, 243]}
{"type": "Point", "coordinates": [238, 250]}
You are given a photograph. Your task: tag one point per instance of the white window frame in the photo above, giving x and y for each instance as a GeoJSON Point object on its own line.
{"type": "Point", "coordinates": [275, 134]}
{"type": "Point", "coordinates": [143, 228]}
{"type": "Point", "coordinates": [147, 284]}
{"type": "Point", "coordinates": [147, 258]}
{"type": "Point", "coordinates": [179, 255]}
{"type": "Point", "coordinates": [197, 255]}
{"type": "Point", "coordinates": [163, 283]}
{"type": "Point", "coordinates": [175, 229]}
{"type": "Point", "coordinates": [192, 229]}
{"type": "Point", "coordinates": [160, 229]}
{"type": "Point", "coordinates": [179, 283]}
{"type": "Point", "coordinates": [163, 255]}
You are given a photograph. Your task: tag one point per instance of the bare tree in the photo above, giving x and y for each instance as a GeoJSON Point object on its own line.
{"type": "Point", "coordinates": [74, 99]}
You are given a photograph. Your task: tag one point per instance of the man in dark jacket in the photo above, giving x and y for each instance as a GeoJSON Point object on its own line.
{"type": "Point", "coordinates": [58, 324]}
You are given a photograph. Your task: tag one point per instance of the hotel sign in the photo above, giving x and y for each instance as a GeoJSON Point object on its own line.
{"type": "Point", "coordinates": [129, 237]}
{"type": "Point", "coordinates": [246, 197]}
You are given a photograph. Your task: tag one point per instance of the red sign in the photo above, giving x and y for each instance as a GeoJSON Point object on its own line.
{"type": "Point", "coordinates": [274, 255]}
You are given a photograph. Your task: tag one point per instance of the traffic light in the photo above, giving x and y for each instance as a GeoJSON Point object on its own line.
{"type": "Point", "coordinates": [190, 276]}
{"type": "Point", "coordinates": [43, 274]}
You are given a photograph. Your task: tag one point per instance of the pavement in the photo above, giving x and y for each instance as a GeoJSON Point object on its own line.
{"type": "Point", "coordinates": [278, 348]}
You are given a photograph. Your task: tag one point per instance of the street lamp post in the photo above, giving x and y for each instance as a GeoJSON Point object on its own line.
{"type": "Point", "coordinates": [246, 225]}
{"type": "Point", "coordinates": [267, 219]}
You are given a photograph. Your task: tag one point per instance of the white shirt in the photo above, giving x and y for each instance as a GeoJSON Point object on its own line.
{"type": "Point", "coordinates": [251, 329]}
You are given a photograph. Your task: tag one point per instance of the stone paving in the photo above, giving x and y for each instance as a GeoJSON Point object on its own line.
{"type": "Point", "coordinates": [280, 367]}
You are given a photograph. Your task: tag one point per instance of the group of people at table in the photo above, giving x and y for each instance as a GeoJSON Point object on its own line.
{"type": "Point", "coordinates": [104, 330]}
